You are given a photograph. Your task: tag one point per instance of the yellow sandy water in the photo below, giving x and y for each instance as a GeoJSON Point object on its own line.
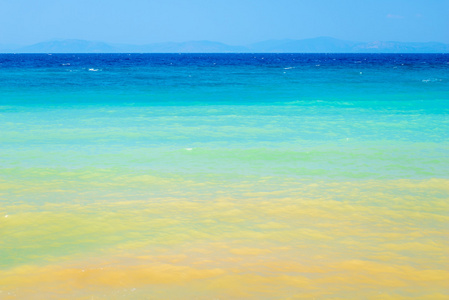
{"type": "Point", "coordinates": [371, 239]}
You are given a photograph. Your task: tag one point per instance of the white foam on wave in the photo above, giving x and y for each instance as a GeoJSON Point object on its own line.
{"type": "Point", "coordinates": [431, 80]}
{"type": "Point", "coordinates": [93, 70]}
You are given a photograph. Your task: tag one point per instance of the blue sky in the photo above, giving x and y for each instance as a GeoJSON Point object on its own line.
{"type": "Point", "coordinates": [229, 21]}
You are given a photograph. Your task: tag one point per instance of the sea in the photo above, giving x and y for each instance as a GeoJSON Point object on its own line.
{"type": "Point", "coordinates": [224, 176]}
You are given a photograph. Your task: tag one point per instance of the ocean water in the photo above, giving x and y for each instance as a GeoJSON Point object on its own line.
{"type": "Point", "coordinates": [224, 176]}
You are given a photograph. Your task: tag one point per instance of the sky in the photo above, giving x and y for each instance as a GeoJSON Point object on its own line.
{"type": "Point", "coordinates": [235, 22]}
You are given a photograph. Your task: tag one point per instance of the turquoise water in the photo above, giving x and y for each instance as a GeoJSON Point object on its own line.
{"type": "Point", "coordinates": [107, 156]}
{"type": "Point", "coordinates": [294, 115]}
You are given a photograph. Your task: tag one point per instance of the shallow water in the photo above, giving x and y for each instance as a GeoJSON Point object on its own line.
{"type": "Point", "coordinates": [229, 176]}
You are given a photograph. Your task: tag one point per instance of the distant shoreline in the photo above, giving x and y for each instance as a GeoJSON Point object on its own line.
{"type": "Point", "coordinates": [314, 45]}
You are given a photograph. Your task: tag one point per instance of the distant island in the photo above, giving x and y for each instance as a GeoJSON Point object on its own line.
{"type": "Point", "coordinates": [313, 45]}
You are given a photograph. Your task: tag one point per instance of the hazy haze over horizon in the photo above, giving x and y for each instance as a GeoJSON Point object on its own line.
{"type": "Point", "coordinates": [232, 22]}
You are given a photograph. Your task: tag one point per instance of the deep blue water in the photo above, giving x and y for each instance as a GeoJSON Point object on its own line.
{"type": "Point", "coordinates": [235, 79]}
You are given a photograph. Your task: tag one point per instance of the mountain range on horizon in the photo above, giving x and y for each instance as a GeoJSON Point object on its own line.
{"type": "Point", "coordinates": [312, 45]}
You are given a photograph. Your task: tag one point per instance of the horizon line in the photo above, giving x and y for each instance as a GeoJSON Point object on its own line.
{"type": "Point", "coordinates": [215, 41]}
